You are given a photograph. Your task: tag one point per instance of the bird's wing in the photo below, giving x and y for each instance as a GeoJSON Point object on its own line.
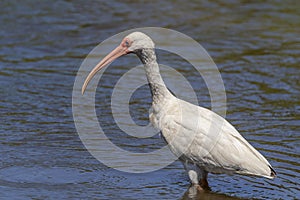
{"type": "Point", "coordinates": [207, 139]}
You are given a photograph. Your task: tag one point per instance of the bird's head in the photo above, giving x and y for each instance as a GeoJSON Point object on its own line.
{"type": "Point", "coordinates": [132, 43]}
{"type": "Point", "coordinates": [137, 41]}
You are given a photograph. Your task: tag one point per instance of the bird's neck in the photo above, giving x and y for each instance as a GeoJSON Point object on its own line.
{"type": "Point", "coordinates": [158, 88]}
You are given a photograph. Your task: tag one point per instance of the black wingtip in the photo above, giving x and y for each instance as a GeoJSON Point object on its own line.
{"type": "Point", "coordinates": [273, 173]}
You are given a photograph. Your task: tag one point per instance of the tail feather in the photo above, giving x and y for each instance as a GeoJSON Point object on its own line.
{"type": "Point", "coordinates": [273, 173]}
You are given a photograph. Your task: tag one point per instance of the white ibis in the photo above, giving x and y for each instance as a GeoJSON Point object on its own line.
{"type": "Point", "coordinates": [189, 130]}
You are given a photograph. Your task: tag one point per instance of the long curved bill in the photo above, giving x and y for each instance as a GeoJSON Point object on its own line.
{"type": "Point", "coordinates": [117, 52]}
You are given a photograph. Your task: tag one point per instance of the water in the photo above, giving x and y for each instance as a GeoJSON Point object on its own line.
{"type": "Point", "coordinates": [255, 45]}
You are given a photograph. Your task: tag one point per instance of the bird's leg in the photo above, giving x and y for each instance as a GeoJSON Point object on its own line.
{"type": "Point", "coordinates": [195, 173]}
{"type": "Point", "coordinates": [203, 182]}
{"type": "Point", "coordinates": [202, 185]}
{"type": "Point", "coordinates": [192, 171]}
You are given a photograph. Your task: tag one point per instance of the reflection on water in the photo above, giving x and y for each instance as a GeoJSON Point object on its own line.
{"type": "Point", "coordinates": [255, 45]}
{"type": "Point", "coordinates": [193, 194]}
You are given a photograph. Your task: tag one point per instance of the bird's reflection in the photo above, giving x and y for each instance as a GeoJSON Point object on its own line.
{"type": "Point", "coordinates": [193, 193]}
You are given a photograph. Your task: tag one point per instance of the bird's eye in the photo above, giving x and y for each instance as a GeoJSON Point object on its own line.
{"type": "Point", "coordinates": [127, 43]}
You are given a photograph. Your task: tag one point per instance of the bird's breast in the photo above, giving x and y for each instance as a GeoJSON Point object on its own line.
{"type": "Point", "coordinates": [158, 112]}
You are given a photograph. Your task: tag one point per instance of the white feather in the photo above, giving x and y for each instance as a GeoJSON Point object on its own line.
{"type": "Point", "coordinates": [189, 131]}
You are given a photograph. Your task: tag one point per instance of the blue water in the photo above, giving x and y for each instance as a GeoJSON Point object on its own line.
{"type": "Point", "coordinates": [255, 45]}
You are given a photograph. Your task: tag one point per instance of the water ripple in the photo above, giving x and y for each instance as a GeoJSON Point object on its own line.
{"type": "Point", "coordinates": [255, 45]}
